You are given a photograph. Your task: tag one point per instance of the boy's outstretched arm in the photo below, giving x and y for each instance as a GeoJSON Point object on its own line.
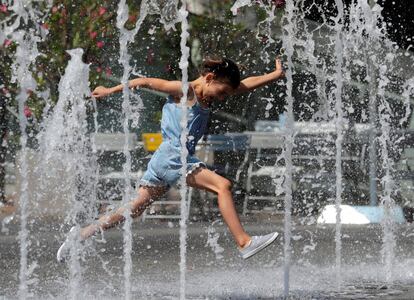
{"type": "Point", "coordinates": [161, 85]}
{"type": "Point", "coordinates": [254, 82]}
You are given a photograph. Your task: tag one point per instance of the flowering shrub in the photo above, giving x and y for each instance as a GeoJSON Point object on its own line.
{"type": "Point", "coordinates": [89, 25]}
{"type": "Point", "coordinates": [63, 25]}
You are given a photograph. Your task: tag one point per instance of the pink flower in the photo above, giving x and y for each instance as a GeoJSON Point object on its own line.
{"type": "Point", "coordinates": [93, 34]}
{"type": "Point", "coordinates": [7, 43]}
{"type": "Point", "coordinates": [132, 18]}
{"type": "Point", "coordinates": [279, 3]}
{"type": "Point", "coordinates": [100, 44]}
{"type": "Point", "coordinates": [45, 26]}
{"type": "Point", "coordinates": [168, 68]}
{"type": "Point", "coordinates": [150, 56]}
{"type": "Point", "coordinates": [3, 8]}
{"type": "Point", "coordinates": [55, 9]}
{"type": "Point", "coordinates": [102, 11]}
{"type": "Point", "coordinates": [99, 69]}
{"type": "Point", "coordinates": [108, 71]}
{"type": "Point", "coordinates": [27, 112]}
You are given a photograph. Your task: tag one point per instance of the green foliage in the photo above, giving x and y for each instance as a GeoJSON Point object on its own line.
{"type": "Point", "coordinates": [91, 25]}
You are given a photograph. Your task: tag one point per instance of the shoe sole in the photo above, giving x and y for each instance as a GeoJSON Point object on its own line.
{"type": "Point", "coordinates": [59, 256]}
{"type": "Point", "coordinates": [271, 240]}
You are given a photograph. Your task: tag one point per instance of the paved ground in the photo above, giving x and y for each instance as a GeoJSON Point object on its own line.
{"type": "Point", "coordinates": [214, 270]}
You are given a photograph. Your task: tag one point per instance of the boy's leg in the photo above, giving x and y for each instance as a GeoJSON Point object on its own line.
{"type": "Point", "coordinates": [137, 206]}
{"type": "Point", "coordinates": [205, 179]}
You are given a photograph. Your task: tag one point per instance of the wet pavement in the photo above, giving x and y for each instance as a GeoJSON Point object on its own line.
{"type": "Point", "coordinates": [214, 269]}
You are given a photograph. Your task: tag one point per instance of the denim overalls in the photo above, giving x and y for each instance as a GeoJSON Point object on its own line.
{"type": "Point", "coordinates": [165, 165]}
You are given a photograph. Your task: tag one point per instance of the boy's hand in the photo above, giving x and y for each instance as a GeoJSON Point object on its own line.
{"type": "Point", "coordinates": [100, 92]}
{"type": "Point", "coordinates": [279, 68]}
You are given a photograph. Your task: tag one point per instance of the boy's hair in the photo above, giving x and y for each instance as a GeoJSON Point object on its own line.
{"type": "Point", "coordinates": [222, 68]}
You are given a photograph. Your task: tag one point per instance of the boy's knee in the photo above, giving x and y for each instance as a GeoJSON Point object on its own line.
{"type": "Point", "coordinates": [225, 186]}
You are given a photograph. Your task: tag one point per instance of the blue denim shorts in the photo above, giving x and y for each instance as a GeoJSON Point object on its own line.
{"type": "Point", "coordinates": [164, 168]}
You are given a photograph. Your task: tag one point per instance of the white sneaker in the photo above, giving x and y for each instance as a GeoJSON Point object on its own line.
{"type": "Point", "coordinates": [64, 250]}
{"type": "Point", "coordinates": [258, 243]}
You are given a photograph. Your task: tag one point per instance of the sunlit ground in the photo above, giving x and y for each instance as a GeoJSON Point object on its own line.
{"type": "Point", "coordinates": [214, 270]}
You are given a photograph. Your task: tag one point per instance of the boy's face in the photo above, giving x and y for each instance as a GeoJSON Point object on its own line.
{"type": "Point", "coordinates": [217, 89]}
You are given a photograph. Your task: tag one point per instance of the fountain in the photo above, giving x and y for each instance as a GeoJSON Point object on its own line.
{"type": "Point", "coordinates": [24, 56]}
{"type": "Point", "coordinates": [185, 53]}
{"type": "Point", "coordinates": [289, 141]}
{"type": "Point", "coordinates": [348, 98]}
